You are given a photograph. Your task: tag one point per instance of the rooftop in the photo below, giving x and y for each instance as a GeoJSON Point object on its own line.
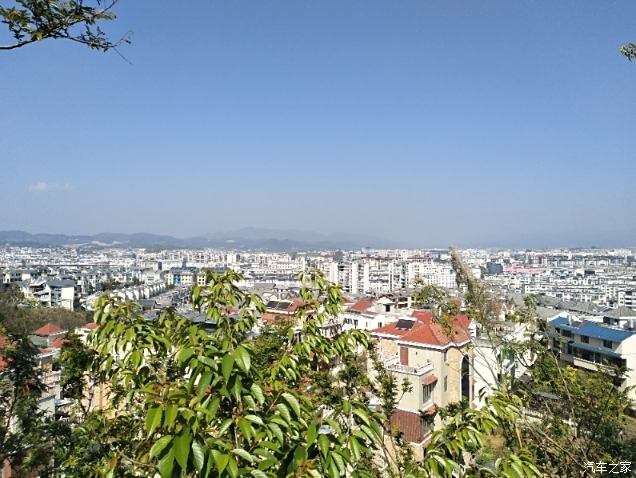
{"type": "Point", "coordinates": [423, 329]}
{"type": "Point", "coordinates": [49, 329]}
{"type": "Point", "coordinates": [587, 328]}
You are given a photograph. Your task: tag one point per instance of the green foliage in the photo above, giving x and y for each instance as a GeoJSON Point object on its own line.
{"type": "Point", "coordinates": [30, 21]}
{"type": "Point", "coordinates": [271, 343]}
{"type": "Point", "coordinates": [21, 319]}
{"type": "Point", "coordinates": [437, 299]}
{"type": "Point", "coordinates": [24, 430]}
{"type": "Point", "coordinates": [629, 51]}
{"type": "Point", "coordinates": [580, 416]}
{"type": "Point", "coordinates": [189, 403]}
{"type": "Point", "coordinates": [76, 359]}
{"type": "Point", "coordinates": [205, 405]}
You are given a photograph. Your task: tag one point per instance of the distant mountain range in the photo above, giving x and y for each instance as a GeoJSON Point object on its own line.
{"type": "Point", "coordinates": [246, 238]}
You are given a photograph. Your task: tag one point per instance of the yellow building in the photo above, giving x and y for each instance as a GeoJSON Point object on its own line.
{"type": "Point", "coordinates": [436, 359]}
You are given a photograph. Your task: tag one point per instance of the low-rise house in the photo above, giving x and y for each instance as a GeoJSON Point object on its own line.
{"type": "Point", "coordinates": [281, 309]}
{"type": "Point", "coordinates": [285, 309]}
{"type": "Point", "coordinates": [437, 360]}
{"type": "Point", "coordinates": [372, 313]}
{"type": "Point", "coordinates": [47, 335]}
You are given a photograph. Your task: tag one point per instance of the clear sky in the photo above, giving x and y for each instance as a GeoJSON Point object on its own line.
{"type": "Point", "coordinates": [427, 122]}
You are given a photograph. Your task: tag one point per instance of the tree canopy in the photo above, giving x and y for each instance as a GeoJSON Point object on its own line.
{"type": "Point", "coordinates": [30, 21]}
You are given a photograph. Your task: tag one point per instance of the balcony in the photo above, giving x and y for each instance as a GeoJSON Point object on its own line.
{"type": "Point", "coordinates": [586, 364]}
{"type": "Point", "coordinates": [51, 378]}
{"type": "Point", "coordinates": [393, 365]}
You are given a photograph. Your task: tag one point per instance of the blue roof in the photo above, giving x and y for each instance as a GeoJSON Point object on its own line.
{"type": "Point", "coordinates": [591, 329]}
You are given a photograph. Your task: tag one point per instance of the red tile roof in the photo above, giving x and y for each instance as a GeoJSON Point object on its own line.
{"type": "Point", "coordinates": [427, 331]}
{"type": "Point", "coordinates": [57, 343]}
{"type": "Point", "coordinates": [361, 306]}
{"type": "Point", "coordinates": [91, 326]}
{"type": "Point", "coordinates": [432, 410]}
{"type": "Point", "coordinates": [48, 329]}
{"type": "Point", "coordinates": [409, 424]}
{"type": "Point", "coordinates": [428, 379]}
{"type": "Point", "coordinates": [422, 315]}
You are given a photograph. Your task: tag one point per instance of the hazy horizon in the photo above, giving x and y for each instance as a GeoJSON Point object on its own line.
{"type": "Point", "coordinates": [315, 237]}
{"type": "Point", "coordinates": [499, 124]}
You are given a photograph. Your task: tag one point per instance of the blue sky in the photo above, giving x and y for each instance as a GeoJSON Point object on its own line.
{"type": "Point", "coordinates": [425, 122]}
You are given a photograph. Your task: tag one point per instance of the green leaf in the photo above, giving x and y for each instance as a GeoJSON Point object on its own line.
{"type": "Point", "coordinates": [225, 425]}
{"type": "Point", "coordinates": [166, 464]}
{"type": "Point", "coordinates": [300, 455]}
{"type": "Point", "coordinates": [226, 366]}
{"type": "Point", "coordinates": [221, 460]}
{"type": "Point", "coordinates": [181, 447]}
{"type": "Point", "coordinates": [355, 447]}
{"type": "Point", "coordinates": [339, 462]}
{"type": "Point", "coordinates": [254, 419]}
{"type": "Point", "coordinates": [312, 433]}
{"type": "Point", "coordinates": [246, 428]}
{"type": "Point", "coordinates": [258, 474]}
{"type": "Point", "coordinates": [291, 400]}
{"type": "Point", "coordinates": [242, 358]}
{"type": "Point", "coordinates": [170, 415]}
{"type": "Point", "coordinates": [159, 445]}
{"type": "Point", "coordinates": [232, 467]}
{"type": "Point", "coordinates": [276, 431]}
{"type": "Point", "coordinates": [257, 393]}
{"type": "Point", "coordinates": [284, 411]}
{"type": "Point", "coordinates": [184, 354]}
{"type": "Point", "coordinates": [323, 444]}
{"type": "Point", "coordinates": [204, 382]}
{"type": "Point", "coordinates": [153, 419]}
{"type": "Point", "coordinates": [361, 415]}
{"type": "Point", "coordinates": [243, 454]}
{"type": "Point", "coordinates": [198, 455]}
{"type": "Point", "coordinates": [249, 401]}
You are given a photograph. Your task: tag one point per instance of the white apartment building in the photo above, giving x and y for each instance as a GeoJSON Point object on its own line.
{"type": "Point", "coordinates": [51, 292]}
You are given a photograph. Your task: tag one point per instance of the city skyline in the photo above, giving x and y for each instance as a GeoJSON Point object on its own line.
{"type": "Point", "coordinates": [425, 124]}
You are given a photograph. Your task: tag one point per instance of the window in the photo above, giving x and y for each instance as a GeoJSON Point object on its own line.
{"type": "Point", "coordinates": [427, 391]}
{"type": "Point", "coordinates": [446, 383]}
{"type": "Point", "coordinates": [446, 356]}
{"type": "Point", "coordinates": [584, 339]}
{"type": "Point", "coordinates": [607, 344]}
{"type": "Point", "coordinates": [379, 324]}
{"type": "Point", "coordinates": [567, 333]}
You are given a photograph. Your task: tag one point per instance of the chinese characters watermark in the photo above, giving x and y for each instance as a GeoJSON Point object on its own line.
{"type": "Point", "coordinates": [602, 467]}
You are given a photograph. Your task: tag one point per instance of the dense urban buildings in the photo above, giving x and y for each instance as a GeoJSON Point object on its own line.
{"type": "Point", "coordinates": [583, 296]}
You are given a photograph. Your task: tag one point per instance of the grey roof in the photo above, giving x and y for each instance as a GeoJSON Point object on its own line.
{"type": "Point", "coordinates": [61, 283]}
{"type": "Point", "coordinates": [620, 313]}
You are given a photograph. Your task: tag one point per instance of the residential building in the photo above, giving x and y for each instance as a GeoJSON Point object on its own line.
{"type": "Point", "coordinates": [590, 345]}
{"type": "Point", "coordinates": [436, 360]}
